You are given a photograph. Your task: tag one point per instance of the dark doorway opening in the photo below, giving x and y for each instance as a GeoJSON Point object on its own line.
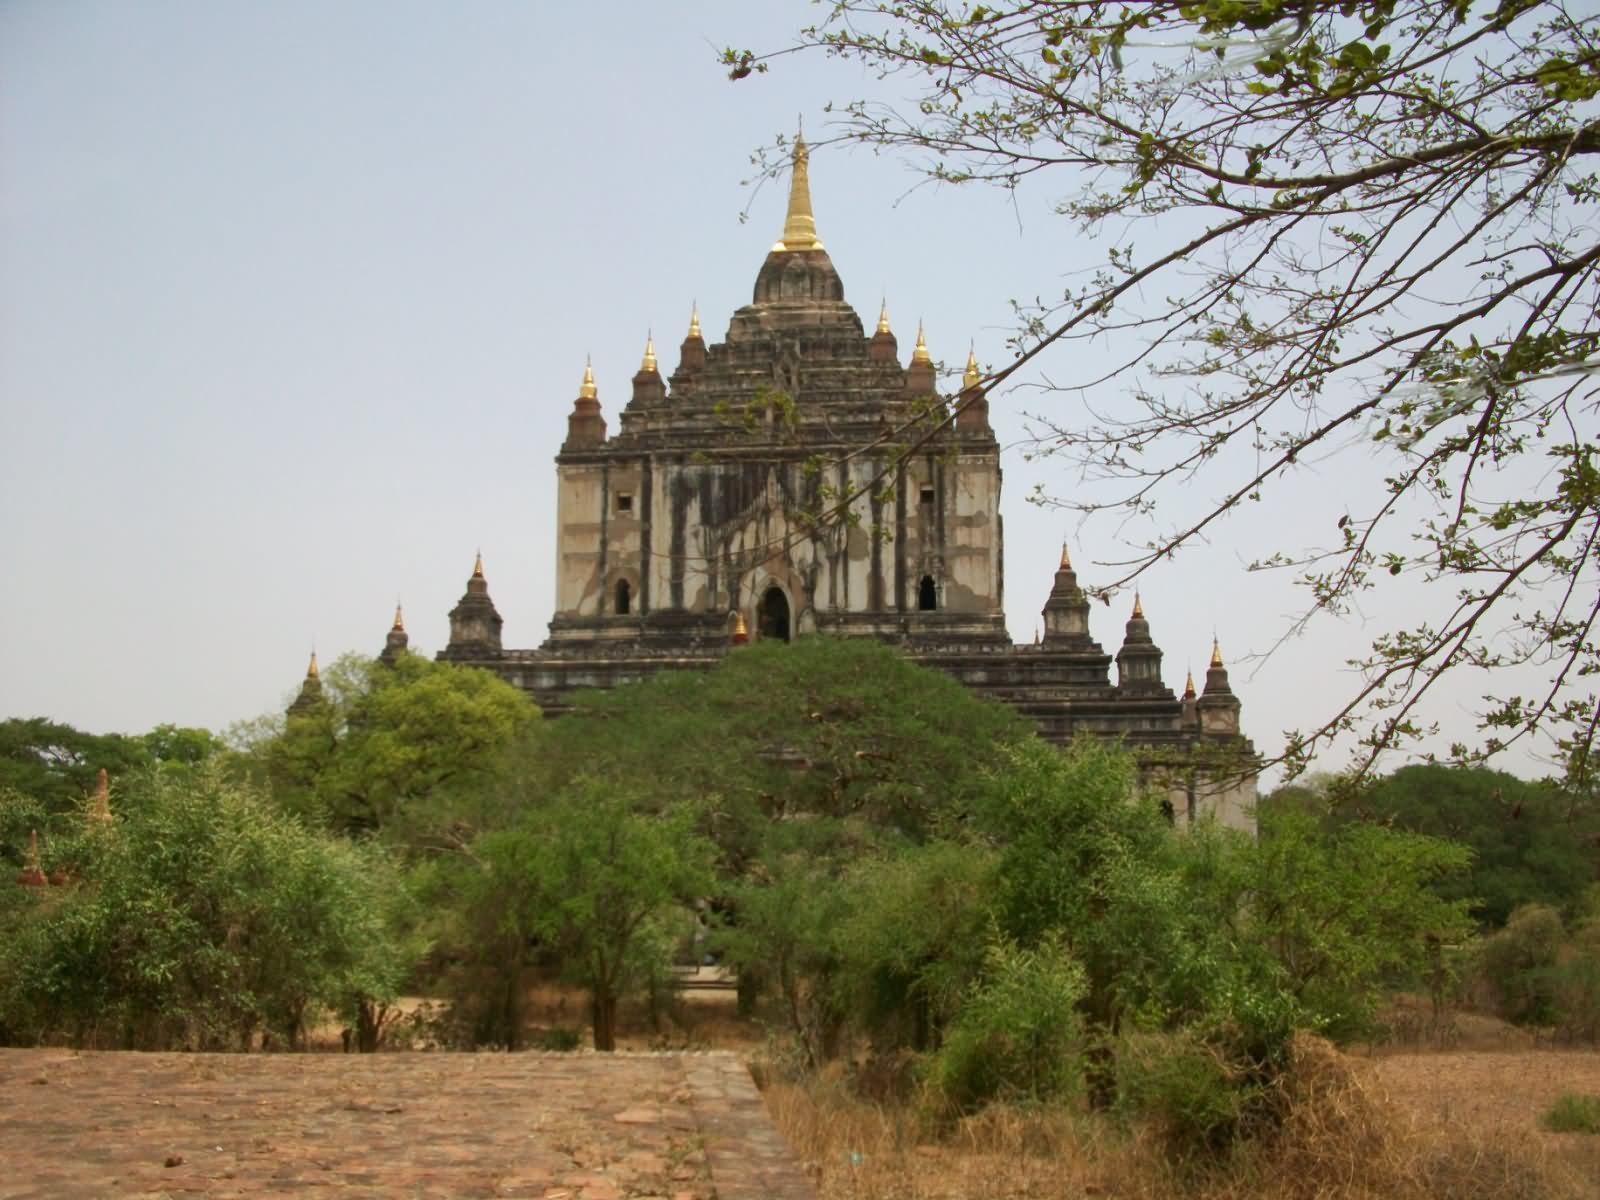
{"type": "Point", "coordinates": [773, 614]}
{"type": "Point", "coordinates": [927, 595]}
{"type": "Point", "coordinates": [624, 597]}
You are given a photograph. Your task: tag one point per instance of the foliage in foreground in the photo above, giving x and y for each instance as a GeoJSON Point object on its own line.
{"type": "Point", "coordinates": [1357, 231]}
{"type": "Point", "coordinates": [1572, 1113]}
{"type": "Point", "coordinates": [200, 917]}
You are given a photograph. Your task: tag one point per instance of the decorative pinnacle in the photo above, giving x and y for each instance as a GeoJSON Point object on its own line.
{"type": "Point", "coordinates": [311, 671]}
{"type": "Point", "coordinates": [1216, 652]}
{"type": "Point", "coordinates": [1188, 687]}
{"type": "Point", "coordinates": [883, 317]}
{"type": "Point", "coordinates": [920, 353]}
{"type": "Point", "coordinates": [1138, 608]}
{"type": "Point", "coordinates": [477, 566]}
{"type": "Point", "coordinates": [399, 624]}
{"type": "Point", "coordinates": [694, 319]}
{"type": "Point", "coordinates": [799, 226]}
{"type": "Point", "coordinates": [649, 363]}
{"type": "Point", "coordinates": [970, 379]}
{"type": "Point", "coordinates": [739, 627]}
{"type": "Point", "coordinates": [587, 391]}
{"type": "Point", "coordinates": [1066, 559]}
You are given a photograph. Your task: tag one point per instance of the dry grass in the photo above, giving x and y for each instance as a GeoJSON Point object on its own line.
{"type": "Point", "coordinates": [1346, 1138]}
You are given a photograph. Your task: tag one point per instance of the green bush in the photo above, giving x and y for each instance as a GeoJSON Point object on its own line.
{"type": "Point", "coordinates": [1197, 1098]}
{"type": "Point", "coordinates": [1572, 1113]}
{"type": "Point", "coordinates": [1519, 965]}
{"type": "Point", "coordinates": [1017, 1034]}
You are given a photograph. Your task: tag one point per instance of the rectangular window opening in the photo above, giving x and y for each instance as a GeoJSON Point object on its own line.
{"type": "Point", "coordinates": [624, 502]}
{"type": "Point", "coordinates": [927, 495]}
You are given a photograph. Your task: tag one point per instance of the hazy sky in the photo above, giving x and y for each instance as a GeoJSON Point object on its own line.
{"type": "Point", "coordinates": [295, 299]}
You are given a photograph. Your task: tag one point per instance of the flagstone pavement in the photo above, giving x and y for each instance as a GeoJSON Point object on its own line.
{"type": "Point", "coordinates": [549, 1126]}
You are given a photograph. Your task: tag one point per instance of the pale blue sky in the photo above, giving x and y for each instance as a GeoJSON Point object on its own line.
{"type": "Point", "coordinates": [295, 297]}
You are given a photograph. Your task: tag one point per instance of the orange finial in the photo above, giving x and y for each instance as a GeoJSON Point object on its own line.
{"type": "Point", "coordinates": [741, 635]}
{"type": "Point", "coordinates": [1188, 687]}
{"type": "Point", "coordinates": [311, 670]}
{"type": "Point", "coordinates": [399, 623]}
{"type": "Point", "coordinates": [694, 319]}
{"type": "Point", "coordinates": [649, 363]}
{"type": "Point", "coordinates": [971, 378]}
{"type": "Point", "coordinates": [883, 317]}
{"type": "Point", "coordinates": [799, 226]}
{"type": "Point", "coordinates": [477, 566]}
{"type": "Point", "coordinates": [1066, 559]}
{"type": "Point", "coordinates": [1138, 608]}
{"type": "Point", "coordinates": [1216, 652]}
{"type": "Point", "coordinates": [587, 390]}
{"type": "Point", "coordinates": [919, 353]}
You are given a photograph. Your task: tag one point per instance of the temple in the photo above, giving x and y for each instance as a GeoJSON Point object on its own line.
{"type": "Point", "coordinates": [795, 479]}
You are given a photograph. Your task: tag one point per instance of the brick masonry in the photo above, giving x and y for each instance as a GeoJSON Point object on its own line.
{"type": "Point", "coordinates": [552, 1127]}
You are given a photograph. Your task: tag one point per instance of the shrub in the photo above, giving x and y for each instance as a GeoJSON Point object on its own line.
{"type": "Point", "coordinates": [1572, 1113]}
{"type": "Point", "coordinates": [1017, 1034]}
{"type": "Point", "coordinates": [1519, 964]}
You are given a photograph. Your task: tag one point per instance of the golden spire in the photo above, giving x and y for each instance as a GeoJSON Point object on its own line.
{"type": "Point", "coordinates": [799, 226]}
{"type": "Point", "coordinates": [883, 317]}
{"type": "Point", "coordinates": [1216, 652]}
{"type": "Point", "coordinates": [649, 363]}
{"type": "Point", "coordinates": [311, 671]}
{"type": "Point", "coordinates": [694, 319]}
{"type": "Point", "coordinates": [1138, 608]}
{"type": "Point", "coordinates": [920, 353]}
{"type": "Point", "coordinates": [587, 391]}
{"type": "Point", "coordinates": [477, 566]}
{"type": "Point", "coordinates": [970, 379]}
{"type": "Point", "coordinates": [399, 625]}
{"type": "Point", "coordinates": [1066, 559]}
{"type": "Point", "coordinates": [1188, 687]}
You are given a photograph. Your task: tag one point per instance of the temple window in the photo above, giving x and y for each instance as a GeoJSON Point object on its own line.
{"type": "Point", "coordinates": [624, 597]}
{"type": "Point", "coordinates": [927, 595]}
{"type": "Point", "coordinates": [624, 502]}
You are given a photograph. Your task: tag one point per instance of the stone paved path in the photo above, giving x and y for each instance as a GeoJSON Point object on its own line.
{"type": "Point", "coordinates": [553, 1127]}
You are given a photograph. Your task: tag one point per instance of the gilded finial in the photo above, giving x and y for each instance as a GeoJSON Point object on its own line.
{"type": "Point", "coordinates": [1216, 652]}
{"type": "Point", "coordinates": [649, 363]}
{"type": "Point", "coordinates": [1066, 559]}
{"type": "Point", "coordinates": [694, 319]}
{"type": "Point", "coordinates": [799, 226]}
{"type": "Point", "coordinates": [1035, 635]}
{"type": "Point", "coordinates": [741, 634]}
{"type": "Point", "coordinates": [920, 353]}
{"type": "Point", "coordinates": [587, 391]}
{"type": "Point", "coordinates": [1188, 687]}
{"type": "Point", "coordinates": [883, 317]}
{"type": "Point", "coordinates": [1138, 608]}
{"type": "Point", "coordinates": [477, 566]}
{"type": "Point", "coordinates": [399, 624]}
{"type": "Point", "coordinates": [311, 671]}
{"type": "Point", "coordinates": [970, 379]}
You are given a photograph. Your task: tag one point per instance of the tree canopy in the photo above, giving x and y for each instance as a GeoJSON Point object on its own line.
{"type": "Point", "coordinates": [1360, 230]}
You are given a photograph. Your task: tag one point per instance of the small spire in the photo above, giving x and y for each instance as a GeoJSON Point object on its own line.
{"type": "Point", "coordinates": [1066, 559]}
{"type": "Point", "coordinates": [799, 226]}
{"type": "Point", "coordinates": [883, 317]}
{"type": "Point", "coordinates": [1216, 652]}
{"type": "Point", "coordinates": [399, 625]}
{"type": "Point", "coordinates": [920, 353]}
{"type": "Point", "coordinates": [1035, 635]}
{"type": "Point", "coordinates": [970, 379]}
{"type": "Point", "coordinates": [694, 319]}
{"type": "Point", "coordinates": [477, 566]}
{"type": "Point", "coordinates": [587, 391]}
{"type": "Point", "coordinates": [741, 634]}
{"type": "Point", "coordinates": [649, 363]}
{"type": "Point", "coordinates": [311, 671]}
{"type": "Point", "coordinates": [1188, 687]}
{"type": "Point", "coordinates": [1138, 608]}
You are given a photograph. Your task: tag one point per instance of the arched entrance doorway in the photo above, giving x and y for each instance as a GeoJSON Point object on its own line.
{"type": "Point", "coordinates": [772, 614]}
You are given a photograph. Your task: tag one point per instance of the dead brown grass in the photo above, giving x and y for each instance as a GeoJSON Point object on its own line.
{"type": "Point", "coordinates": [1346, 1138]}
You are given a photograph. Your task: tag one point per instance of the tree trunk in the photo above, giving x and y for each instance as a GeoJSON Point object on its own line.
{"type": "Point", "coordinates": [369, 1024]}
{"type": "Point", "coordinates": [604, 1012]}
